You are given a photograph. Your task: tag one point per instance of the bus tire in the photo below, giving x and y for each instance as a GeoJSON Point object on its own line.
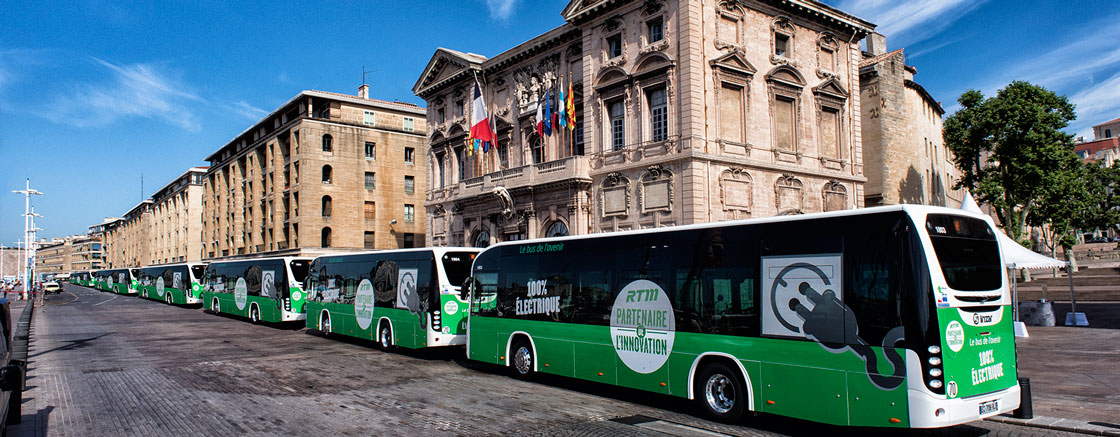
{"type": "Point", "coordinates": [385, 336]}
{"type": "Point", "coordinates": [254, 314]}
{"type": "Point", "coordinates": [325, 324]}
{"type": "Point", "coordinates": [521, 358]}
{"type": "Point", "coordinates": [720, 393]}
{"type": "Point", "coordinates": [170, 300]}
{"type": "Point", "coordinates": [216, 306]}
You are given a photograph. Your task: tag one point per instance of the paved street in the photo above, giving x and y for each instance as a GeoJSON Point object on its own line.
{"type": "Point", "coordinates": [103, 364]}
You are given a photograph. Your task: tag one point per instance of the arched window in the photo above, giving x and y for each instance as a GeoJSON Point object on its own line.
{"type": "Point", "coordinates": [326, 206]}
{"type": "Point", "coordinates": [557, 229]}
{"type": "Point", "coordinates": [482, 238]}
{"type": "Point", "coordinates": [326, 239]}
{"type": "Point", "coordinates": [328, 143]}
{"type": "Point", "coordinates": [327, 174]}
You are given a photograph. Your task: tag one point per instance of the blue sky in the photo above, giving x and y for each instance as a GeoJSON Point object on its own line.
{"type": "Point", "coordinates": [94, 94]}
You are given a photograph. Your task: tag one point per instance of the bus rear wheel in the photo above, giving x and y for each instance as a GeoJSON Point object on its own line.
{"type": "Point", "coordinates": [385, 336]}
{"type": "Point", "coordinates": [719, 392]}
{"type": "Point", "coordinates": [254, 314]}
{"type": "Point", "coordinates": [522, 359]}
{"type": "Point", "coordinates": [215, 306]}
{"type": "Point", "coordinates": [325, 324]}
{"type": "Point", "coordinates": [170, 300]}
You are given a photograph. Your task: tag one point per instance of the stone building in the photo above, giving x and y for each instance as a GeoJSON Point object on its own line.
{"type": "Point", "coordinates": [177, 219]}
{"type": "Point", "coordinates": [70, 254]}
{"type": "Point", "coordinates": [1108, 129]}
{"type": "Point", "coordinates": [687, 112]}
{"type": "Point", "coordinates": [128, 240]}
{"type": "Point", "coordinates": [324, 170]}
{"type": "Point", "coordinates": [904, 154]}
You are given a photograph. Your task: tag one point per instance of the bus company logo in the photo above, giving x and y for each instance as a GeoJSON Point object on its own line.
{"type": "Point", "coordinates": [109, 281]}
{"type": "Point", "coordinates": [643, 326]}
{"type": "Point", "coordinates": [363, 304]}
{"type": "Point", "coordinates": [538, 302]}
{"type": "Point", "coordinates": [240, 293]}
{"type": "Point", "coordinates": [159, 286]}
{"type": "Point", "coordinates": [981, 319]}
{"type": "Point", "coordinates": [954, 336]}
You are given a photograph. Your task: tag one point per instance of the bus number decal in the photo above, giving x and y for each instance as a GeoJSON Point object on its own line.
{"type": "Point", "coordinates": [240, 293]}
{"type": "Point", "coordinates": [363, 304]}
{"type": "Point", "coordinates": [643, 326]}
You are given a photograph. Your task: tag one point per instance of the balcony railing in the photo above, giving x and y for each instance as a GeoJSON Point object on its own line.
{"type": "Point", "coordinates": [573, 167]}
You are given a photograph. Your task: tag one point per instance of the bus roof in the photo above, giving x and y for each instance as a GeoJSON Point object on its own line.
{"type": "Point", "coordinates": [908, 209]}
{"type": "Point", "coordinates": [437, 251]}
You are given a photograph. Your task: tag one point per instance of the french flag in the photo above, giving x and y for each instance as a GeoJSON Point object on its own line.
{"type": "Point", "coordinates": [480, 122]}
{"type": "Point", "coordinates": [540, 116]}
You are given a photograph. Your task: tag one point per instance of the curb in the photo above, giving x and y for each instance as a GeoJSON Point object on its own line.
{"type": "Point", "coordinates": [1058, 424]}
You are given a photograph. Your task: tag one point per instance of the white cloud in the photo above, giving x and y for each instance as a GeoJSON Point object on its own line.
{"type": "Point", "coordinates": [1096, 104]}
{"type": "Point", "coordinates": [501, 9]}
{"type": "Point", "coordinates": [135, 90]}
{"type": "Point", "coordinates": [905, 22]}
{"type": "Point", "coordinates": [246, 110]}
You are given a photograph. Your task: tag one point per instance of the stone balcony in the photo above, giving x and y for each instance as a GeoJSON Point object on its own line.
{"type": "Point", "coordinates": [576, 168]}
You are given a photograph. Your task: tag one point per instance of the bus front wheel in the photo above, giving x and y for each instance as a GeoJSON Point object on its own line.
{"type": "Point", "coordinates": [170, 300]}
{"type": "Point", "coordinates": [719, 392]}
{"type": "Point", "coordinates": [522, 359]}
{"type": "Point", "coordinates": [255, 314]}
{"type": "Point", "coordinates": [215, 306]}
{"type": "Point", "coordinates": [325, 324]}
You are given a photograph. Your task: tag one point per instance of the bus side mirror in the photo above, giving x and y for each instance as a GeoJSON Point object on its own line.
{"type": "Point", "coordinates": [465, 289]}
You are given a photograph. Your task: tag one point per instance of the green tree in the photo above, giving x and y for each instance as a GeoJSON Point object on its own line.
{"type": "Point", "coordinates": [1006, 147]}
{"type": "Point", "coordinates": [1062, 204]}
{"type": "Point", "coordinates": [1101, 201]}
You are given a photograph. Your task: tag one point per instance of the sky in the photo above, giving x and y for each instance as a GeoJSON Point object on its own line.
{"type": "Point", "coordinates": [97, 95]}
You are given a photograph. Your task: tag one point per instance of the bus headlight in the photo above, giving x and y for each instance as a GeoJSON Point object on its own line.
{"type": "Point", "coordinates": [935, 361]}
{"type": "Point", "coordinates": [934, 372]}
{"type": "Point", "coordinates": [935, 383]}
{"type": "Point", "coordinates": [935, 349]}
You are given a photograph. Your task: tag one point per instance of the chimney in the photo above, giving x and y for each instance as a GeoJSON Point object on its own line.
{"type": "Point", "coordinates": [876, 44]}
{"type": "Point", "coordinates": [363, 91]}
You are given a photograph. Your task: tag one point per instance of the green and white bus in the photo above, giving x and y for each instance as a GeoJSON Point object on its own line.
{"type": "Point", "coordinates": [260, 289]}
{"type": "Point", "coordinates": [173, 283]}
{"type": "Point", "coordinates": [893, 316]}
{"type": "Point", "coordinates": [80, 278]}
{"type": "Point", "coordinates": [408, 298]}
{"type": "Point", "coordinates": [120, 281]}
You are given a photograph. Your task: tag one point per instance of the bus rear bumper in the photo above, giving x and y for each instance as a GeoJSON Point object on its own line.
{"type": "Point", "coordinates": [931, 411]}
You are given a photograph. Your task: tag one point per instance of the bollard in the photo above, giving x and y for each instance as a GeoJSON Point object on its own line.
{"type": "Point", "coordinates": [1025, 410]}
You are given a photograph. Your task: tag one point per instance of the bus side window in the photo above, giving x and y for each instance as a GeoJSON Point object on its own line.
{"type": "Point", "coordinates": [513, 279]}
{"type": "Point", "coordinates": [253, 280]}
{"type": "Point", "coordinates": [873, 260]}
{"type": "Point", "coordinates": [385, 283]}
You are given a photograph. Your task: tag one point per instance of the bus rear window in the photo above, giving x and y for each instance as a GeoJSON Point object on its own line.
{"type": "Point", "coordinates": [967, 251]}
{"type": "Point", "coordinates": [457, 266]}
{"type": "Point", "coordinates": [197, 272]}
{"type": "Point", "coordinates": [299, 270]}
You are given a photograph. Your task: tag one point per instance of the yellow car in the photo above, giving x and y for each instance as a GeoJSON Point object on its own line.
{"type": "Point", "coordinates": [51, 287]}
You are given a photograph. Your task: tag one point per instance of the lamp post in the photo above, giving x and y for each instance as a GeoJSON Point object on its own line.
{"type": "Point", "coordinates": [27, 192]}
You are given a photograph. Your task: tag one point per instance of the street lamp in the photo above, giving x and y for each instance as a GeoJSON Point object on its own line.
{"type": "Point", "coordinates": [28, 215]}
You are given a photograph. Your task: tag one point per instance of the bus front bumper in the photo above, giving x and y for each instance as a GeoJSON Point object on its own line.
{"type": "Point", "coordinates": [930, 411]}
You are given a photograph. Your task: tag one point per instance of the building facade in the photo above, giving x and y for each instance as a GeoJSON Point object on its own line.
{"type": "Point", "coordinates": [324, 170]}
{"type": "Point", "coordinates": [128, 240]}
{"type": "Point", "coordinates": [62, 256]}
{"type": "Point", "coordinates": [1108, 129]}
{"type": "Point", "coordinates": [686, 112]}
{"type": "Point", "coordinates": [177, 219]}
{"type": "Point", "coordinates": [904, 154]}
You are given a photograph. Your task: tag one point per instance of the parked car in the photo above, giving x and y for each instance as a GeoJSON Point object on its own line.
{"type": "Point", "coordinates": [51, 287]}
{"type": "Point", "coordinates": [11, 374]}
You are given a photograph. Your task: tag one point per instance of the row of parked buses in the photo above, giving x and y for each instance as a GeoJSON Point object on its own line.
{"type": "Point", "coordinates": [892, 316]}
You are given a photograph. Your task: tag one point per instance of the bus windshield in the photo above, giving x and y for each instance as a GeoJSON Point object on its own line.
{"type": "Point", "coordinates": [967, 251]}
{"type": "Point", "coordinates": [457, 265]}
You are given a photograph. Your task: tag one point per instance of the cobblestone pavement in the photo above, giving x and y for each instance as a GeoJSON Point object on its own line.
{"type": "Point", "coordinates": [103, 364]}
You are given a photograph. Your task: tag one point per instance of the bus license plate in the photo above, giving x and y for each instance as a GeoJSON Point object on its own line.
{"type": "Point", "coordinates": [989, 407]}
